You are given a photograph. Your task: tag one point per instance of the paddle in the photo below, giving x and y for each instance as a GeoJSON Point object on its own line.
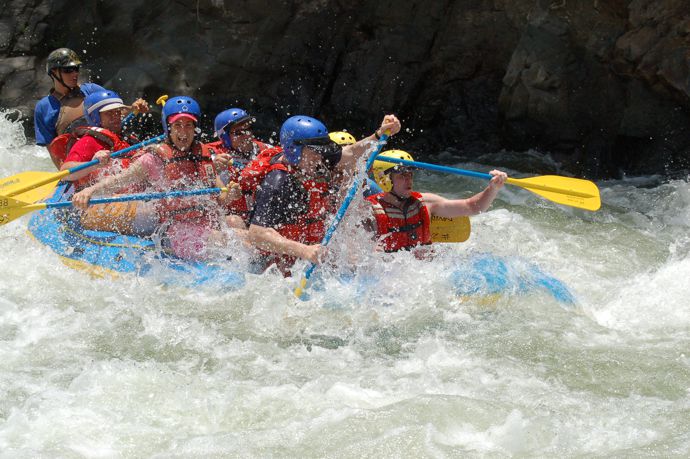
{"type": "Point", "coordinates": [12, 208]}
{"type": "Point", "coordinates": [27, 181]}
{"type": "Point", "coordinates": [341, 212]}
{"type": "Point", "coordinates": [568, 191]}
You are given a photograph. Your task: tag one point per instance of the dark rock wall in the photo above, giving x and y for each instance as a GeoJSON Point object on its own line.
{"type": "Point", "coordinates": [601, 84]}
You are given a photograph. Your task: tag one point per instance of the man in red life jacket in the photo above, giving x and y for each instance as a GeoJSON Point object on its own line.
{"type": "Point", "coordinates": [190, 226]}
{"type": "Point", "coordinates": [235, 148]}
{"type": "Point", "coordinates": [293, 202]}
{"type": "Point", "coordinates": [402, 216]}
{"type": "Point", "coordinates": [103, 111]}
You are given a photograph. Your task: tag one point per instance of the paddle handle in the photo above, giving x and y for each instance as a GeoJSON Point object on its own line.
{"type": "Point", "coordinates": [351, 193]}
{"type": "Point", "coordinates": [140, 197]}
{"type": "Point", "coordinates": [115, 154]}
{"type": "Point", "coordinates": [435, 167]}
{"type": "Point", "coordinates": [127, 118]}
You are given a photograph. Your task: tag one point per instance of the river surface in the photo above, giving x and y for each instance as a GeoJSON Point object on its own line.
{"type": "Point", "coordinates": [127, 367]}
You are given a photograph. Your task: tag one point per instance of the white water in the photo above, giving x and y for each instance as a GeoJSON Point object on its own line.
{"type": "Point", "coordinates": [128, 368]}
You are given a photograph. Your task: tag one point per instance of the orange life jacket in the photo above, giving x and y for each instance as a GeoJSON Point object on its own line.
{"type": "Point", "coordinates": [186, 170]}
{"type": "Point", "coordinates": [401, 228]}
{"type": "Point", "coordinates": [243, 205]}
{"type": "Point", "coordinates": [61, 145]}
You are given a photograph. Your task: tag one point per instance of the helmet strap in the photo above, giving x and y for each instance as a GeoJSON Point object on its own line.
{"type": "Point", "coordinates": [53, 76]}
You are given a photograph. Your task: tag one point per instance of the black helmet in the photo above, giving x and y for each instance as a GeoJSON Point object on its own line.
{"type": "Point", "coordinates": [61, 57]}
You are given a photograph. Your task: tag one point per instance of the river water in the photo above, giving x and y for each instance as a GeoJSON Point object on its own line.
{"type": "Point", "coordinates": [131, 368]}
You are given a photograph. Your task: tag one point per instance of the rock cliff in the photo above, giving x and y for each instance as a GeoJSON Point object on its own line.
{"type": "Point", "coordinates": [603, 85]}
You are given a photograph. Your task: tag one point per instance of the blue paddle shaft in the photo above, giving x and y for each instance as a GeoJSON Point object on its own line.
{"type": "Point", "coordinates": [434, 167]}
{"type": "Point", "coordinates": [351, 193]}
{"type": "Point", "coordinates": [117, 153]}
{"type": "Point", "coordinates": [139, 197]}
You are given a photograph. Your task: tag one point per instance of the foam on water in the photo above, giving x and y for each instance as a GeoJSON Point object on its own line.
{"type": "Point", "coordinates": [402, 367]}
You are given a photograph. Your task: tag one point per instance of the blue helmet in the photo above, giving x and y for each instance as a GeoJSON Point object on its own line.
{"type": "Point", "coordinates": [99, 101]}
{"type": "Point", "coordinates": [225, 120]}
{"type": "Point", "coordinates": [298, 131]}
{"type": "Point", "coordinates": [179, 104]}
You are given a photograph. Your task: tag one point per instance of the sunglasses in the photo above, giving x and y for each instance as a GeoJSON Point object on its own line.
{"type": "Point", "coordinates": [315, 141]}
{"type": "Point", "coordinates": [70, 69]}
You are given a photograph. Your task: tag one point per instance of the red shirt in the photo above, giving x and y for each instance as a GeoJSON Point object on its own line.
{"type": "Point", "coordinates": [84, 149]}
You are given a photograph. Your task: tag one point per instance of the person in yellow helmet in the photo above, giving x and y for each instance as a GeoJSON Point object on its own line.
{"type": "Point", "coordinates": [403, 216]}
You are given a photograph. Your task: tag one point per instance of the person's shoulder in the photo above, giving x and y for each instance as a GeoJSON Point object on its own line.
{"type": "Point", "coordinates": [374, 197]}
{"type": "Point", "coordinates": [262, 146]}
{"type": "Point", "coordinates": [90, 88]}
{"type": "Point", "coordinates": [45, 103]}
{"type": "Point", "coordinates": [87, 144]}
{"type": "Point", "coordinates": [89, 140]}
{"type": "Point", "coordinates": [277, 178]}
{"type": "Point", "coordinates": [83, 149]}
{"type": "Point", "coordinates": [217, 144]}
{"type": "Point", "coordinates": [426, 196]}
{"type": "Point", "coordinates": [430, 199]}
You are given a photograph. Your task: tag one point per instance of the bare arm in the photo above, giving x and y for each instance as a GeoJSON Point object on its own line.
{"type": "Point", "coordinates": [478, 203]}
{"type": "Point", "coordinates": [271, 240]}
{"type": "Point", "coordinates": [352, 153]}
{"type": "Point", "coordinates": [136, 173]}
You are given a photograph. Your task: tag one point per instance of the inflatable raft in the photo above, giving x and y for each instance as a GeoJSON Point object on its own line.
{"type": "Point", "coordinates": [104, 253]}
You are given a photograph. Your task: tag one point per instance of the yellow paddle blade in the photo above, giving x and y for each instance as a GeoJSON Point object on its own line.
{"type": "Point", "coordinates": [40, 184]}
{"type": "Point", "coordinates": [568, 191]}
{"type": "Point", "coordinates": [300, 288]}
{"type": "Point", "coordinates": [450, 229]}
{"type": "Point", "coordinates": [12, 209]}
{"type": "Point", "coordinates": [37, 194]}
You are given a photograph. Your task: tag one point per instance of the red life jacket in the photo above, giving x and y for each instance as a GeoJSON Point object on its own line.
{"type": "Point", "coordinates": [253, 173]}
{"type": "Point", "coordinates": [310, 227]}
{"type": "Point", "coordinates": [402, 229]}
{"type": "Point", "coordinates": [61, 145]}
{"type": "Point", "coordinates": [186, 170]}
{"type": "Point", "coordinates": [240, 206]}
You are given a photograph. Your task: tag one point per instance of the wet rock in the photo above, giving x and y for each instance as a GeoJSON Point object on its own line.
{"type": "Point", "coordinates": [602, 85]}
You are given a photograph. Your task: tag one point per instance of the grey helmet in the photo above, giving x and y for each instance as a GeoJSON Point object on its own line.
{"type": "Point", "coordinates": [61, 57]}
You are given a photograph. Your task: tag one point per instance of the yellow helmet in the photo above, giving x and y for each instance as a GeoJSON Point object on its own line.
{"type": "Point", "coordinates": [382, 169]}
{"type": "Point", "coordinates": [342, 137]}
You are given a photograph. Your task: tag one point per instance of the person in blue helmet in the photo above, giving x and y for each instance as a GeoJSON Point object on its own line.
{"type": "Point", "coordinates": [190, 226]}
{"type": "Point", "coordinates": [235, 148]}
{"type": "Point", "coordinates": [294, 189]}
{"type": "Point", "coordinates": [63, 108]}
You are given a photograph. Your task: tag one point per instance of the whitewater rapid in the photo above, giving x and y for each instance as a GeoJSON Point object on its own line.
{"type": "Point", "coordinates": [131, 368]}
